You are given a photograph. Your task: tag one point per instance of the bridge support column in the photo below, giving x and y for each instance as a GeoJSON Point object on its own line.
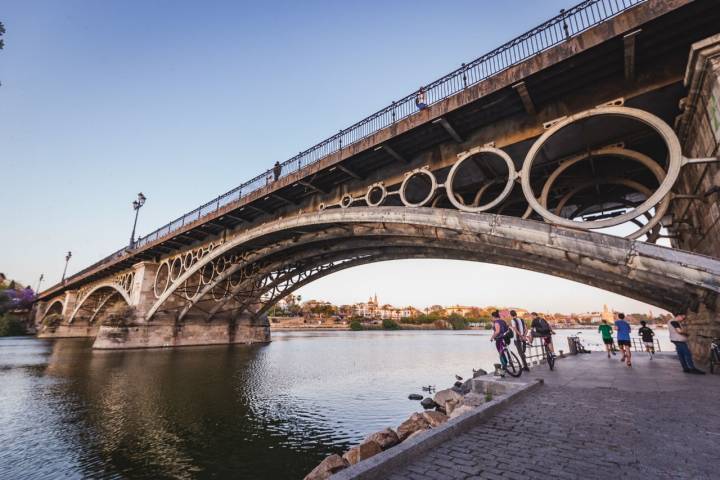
{"type": "Point", "coordinates": [696, 219]}
{"type": "Point", "coordinates": [163, 330]}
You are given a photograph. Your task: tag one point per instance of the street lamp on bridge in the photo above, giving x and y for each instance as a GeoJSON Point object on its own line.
{"type": "Point", "coordinates": [137, 204]}
{"type": "Point", "coordinates": [67, 260]}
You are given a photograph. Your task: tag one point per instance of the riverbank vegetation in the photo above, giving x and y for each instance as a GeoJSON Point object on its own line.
{"type": "Point", "coordinates": [15, 304]}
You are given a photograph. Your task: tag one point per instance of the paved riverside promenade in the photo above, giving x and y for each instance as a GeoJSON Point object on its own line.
{"type": "Point", "coordinates": [593, 418]}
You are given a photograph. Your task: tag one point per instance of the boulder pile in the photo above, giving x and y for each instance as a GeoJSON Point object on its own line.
{"type": "Point", "coordinates": [447, 404]}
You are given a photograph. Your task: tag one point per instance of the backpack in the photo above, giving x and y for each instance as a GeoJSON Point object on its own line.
{"type": "Point", "coordinates": [507, 334]}
{"type": "Point", "coordinates": [542, 327]}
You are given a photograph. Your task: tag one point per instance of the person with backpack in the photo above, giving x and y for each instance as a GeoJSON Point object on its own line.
{"type": "Point", "coordinates": [647, 335]}
{"type": "Point", "coordinates": [623, 338]}
{"type": "Point", "coordinates": [541, 328]}
{"type": "Point", "coordinates": [501, 336]}
{"type": "Point", "coordinates": [520, 330]}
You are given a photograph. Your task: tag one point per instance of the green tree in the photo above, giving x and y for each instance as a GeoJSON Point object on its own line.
{"type": "Point", "coordinates": [11, 326]}
{"type": "Point", "coordinates": [2, 32]}
{"type": "Point", "coordinates": [356, 325]}
{"type": "Point", "coordinates": [388, 324]}
{"type": "Point", "coordinates": [457, 322]}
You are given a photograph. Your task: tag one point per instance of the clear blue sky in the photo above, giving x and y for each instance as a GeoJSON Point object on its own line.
{"type": "Point", "coordinates": [185, 100]}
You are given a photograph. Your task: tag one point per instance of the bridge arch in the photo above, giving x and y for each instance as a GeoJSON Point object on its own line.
{"type": "Point", "coordinates": [341, 238]}
{"type": "Point", "coordinates": [55, 307]}
{"type": "Point", "coordinates": [97, 300]}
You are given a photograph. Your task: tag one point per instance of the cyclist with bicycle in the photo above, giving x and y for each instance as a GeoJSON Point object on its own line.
{"type": "Point", "coordinates": [500, 336]}
{"type": "Point", "coordinates": [541, 328]}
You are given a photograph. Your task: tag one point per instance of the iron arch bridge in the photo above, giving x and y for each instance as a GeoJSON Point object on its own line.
{"type": "Point", "coordinates": [580, 158]}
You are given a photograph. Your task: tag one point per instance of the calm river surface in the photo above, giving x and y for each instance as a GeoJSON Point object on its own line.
{"type": "Point", "coordinates": [250, 412]}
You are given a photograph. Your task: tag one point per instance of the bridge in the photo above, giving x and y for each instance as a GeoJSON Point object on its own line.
{"type": "Point", "coordinates": [572, 150]}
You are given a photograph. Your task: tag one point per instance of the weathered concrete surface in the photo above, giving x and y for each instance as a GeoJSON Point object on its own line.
{"type": "Point", "coordinates": [594, 418]}
{"type": "Point", "coordinates": [67, 331]}
{"type": "Point", "coordinates": [184, 335]}
{"type": "Point", "coordinates": [697, 221]}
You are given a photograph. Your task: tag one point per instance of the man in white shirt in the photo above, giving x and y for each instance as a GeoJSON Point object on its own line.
{"type": "Point", "coordinates": [518, 327]}
{"type": "Point", "coordinates": [678, 336]}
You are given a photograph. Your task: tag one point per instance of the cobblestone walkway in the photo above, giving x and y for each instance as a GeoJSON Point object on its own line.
{"type": "Point", "coordinates": [648, 422]}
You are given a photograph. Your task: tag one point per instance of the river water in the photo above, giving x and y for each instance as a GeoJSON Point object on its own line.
{"type": "Point", "coordinates": [250, 412]}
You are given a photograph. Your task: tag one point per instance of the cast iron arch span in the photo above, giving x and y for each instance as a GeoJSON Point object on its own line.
{"type": "Point", "coordinates": [114, 291]}
{"type": "Point", "coordinates": [661, 276]}
{"type": "Point", "coordinates": [53, 308]}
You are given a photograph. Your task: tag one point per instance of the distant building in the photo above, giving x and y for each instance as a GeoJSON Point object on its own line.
{"type": "Point", "coordinates": [460, 310]}
{"type": "Point", "coordinates": [606, 315]}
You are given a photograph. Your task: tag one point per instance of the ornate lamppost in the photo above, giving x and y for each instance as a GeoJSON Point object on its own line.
{"type": "Point", "coordinates": [137, 204]}
{"type": "Point", "coordinates": [67, 260]}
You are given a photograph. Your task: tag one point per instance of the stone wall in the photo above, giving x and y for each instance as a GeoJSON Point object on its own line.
{"type": "Point", "coordinates": [696, 221]}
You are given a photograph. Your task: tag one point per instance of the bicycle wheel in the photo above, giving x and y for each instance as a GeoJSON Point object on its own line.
{"type": "Point", "coordinates": [514, 367]}
{"type": "Point", "coordinates": [550, 358]}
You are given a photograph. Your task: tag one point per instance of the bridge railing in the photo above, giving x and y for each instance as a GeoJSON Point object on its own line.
{"type": "Point", "coordinates": [568, 23]}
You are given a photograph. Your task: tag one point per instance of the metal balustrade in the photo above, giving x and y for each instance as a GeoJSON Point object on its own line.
{"type": "Point", "coordinates": [567, 24]}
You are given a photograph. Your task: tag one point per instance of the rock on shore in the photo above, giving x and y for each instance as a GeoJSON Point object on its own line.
{"type": "Point", "coordinates": [385, 438]}
{"type": "Point", "coordinates": [413, 424]}
{"type": "Point", "coordinates": [332, 464]}
{"type": "Point", "coordinates": [360, 452]}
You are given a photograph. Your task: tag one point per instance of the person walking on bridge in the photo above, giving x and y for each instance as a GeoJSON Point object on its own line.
{"type": "Point", "coordinates": [623, 338]}
{"type": "Point", "coordinates": [679, 338]}
{"type": "Point", "coordinates": [277, 170]}
{"type": "Point", "coordinates": [421, 99]}
{"type": "Point", "coordinates": [606, 331]}
{"type": "Point", "coordinates": [519, 328]}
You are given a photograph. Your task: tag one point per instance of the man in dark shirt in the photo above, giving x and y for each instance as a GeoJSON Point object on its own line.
{"type": "Point", "coordinates": [541, 328]}
{"type": "Point", "coordinates": [647, 335]}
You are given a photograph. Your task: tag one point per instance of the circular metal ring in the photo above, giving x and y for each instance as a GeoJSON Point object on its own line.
{"type": "Point", "coordinates": [406, 180]}
{"type": "Point", "coordinates": [512, 175]}
{"type": "Point", "coordinates": [188, 260]}
{"type": "Point", "coordinates": [158, 275]}
{"type": "Point", "coordinates": [662, 128]}
{"type": "Point", "coordinates": [322, 206]}
{"type": "Point", "coordinates": [176, 268]}
{"type": "Point", "coordinates": [383, 194]}
{"type": "Point", "coordinates": [346, 200]}
{"type": "Point", "coordinates": [207, 273]}
{"type": "Point", "coordinates": [632, 155]}
{"type": "Point", "coordinates": [188, 286]}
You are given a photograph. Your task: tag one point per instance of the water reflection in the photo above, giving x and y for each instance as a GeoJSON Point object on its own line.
{"type": "Point", "coordinates": [243, 412]}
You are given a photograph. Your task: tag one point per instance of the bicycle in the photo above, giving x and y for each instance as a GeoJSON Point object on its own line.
{"type": "Point", "coordinates": [714, 352]}
{"type": "Point", "coordinates": [512, 362]}
{"type": "Point", "coordinates": [549, 356]}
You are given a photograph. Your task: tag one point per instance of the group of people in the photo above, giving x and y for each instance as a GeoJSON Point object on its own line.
{"type": "Point", "coordinates": [518, 330]}
{"type": "Point", "coordinates": [504, 333]}
{"type": "Point", "coordinates": [676, 330]}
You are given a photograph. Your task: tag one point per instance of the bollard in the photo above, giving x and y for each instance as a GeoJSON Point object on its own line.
{"type": "Point", "coordinates": [562, 354]}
